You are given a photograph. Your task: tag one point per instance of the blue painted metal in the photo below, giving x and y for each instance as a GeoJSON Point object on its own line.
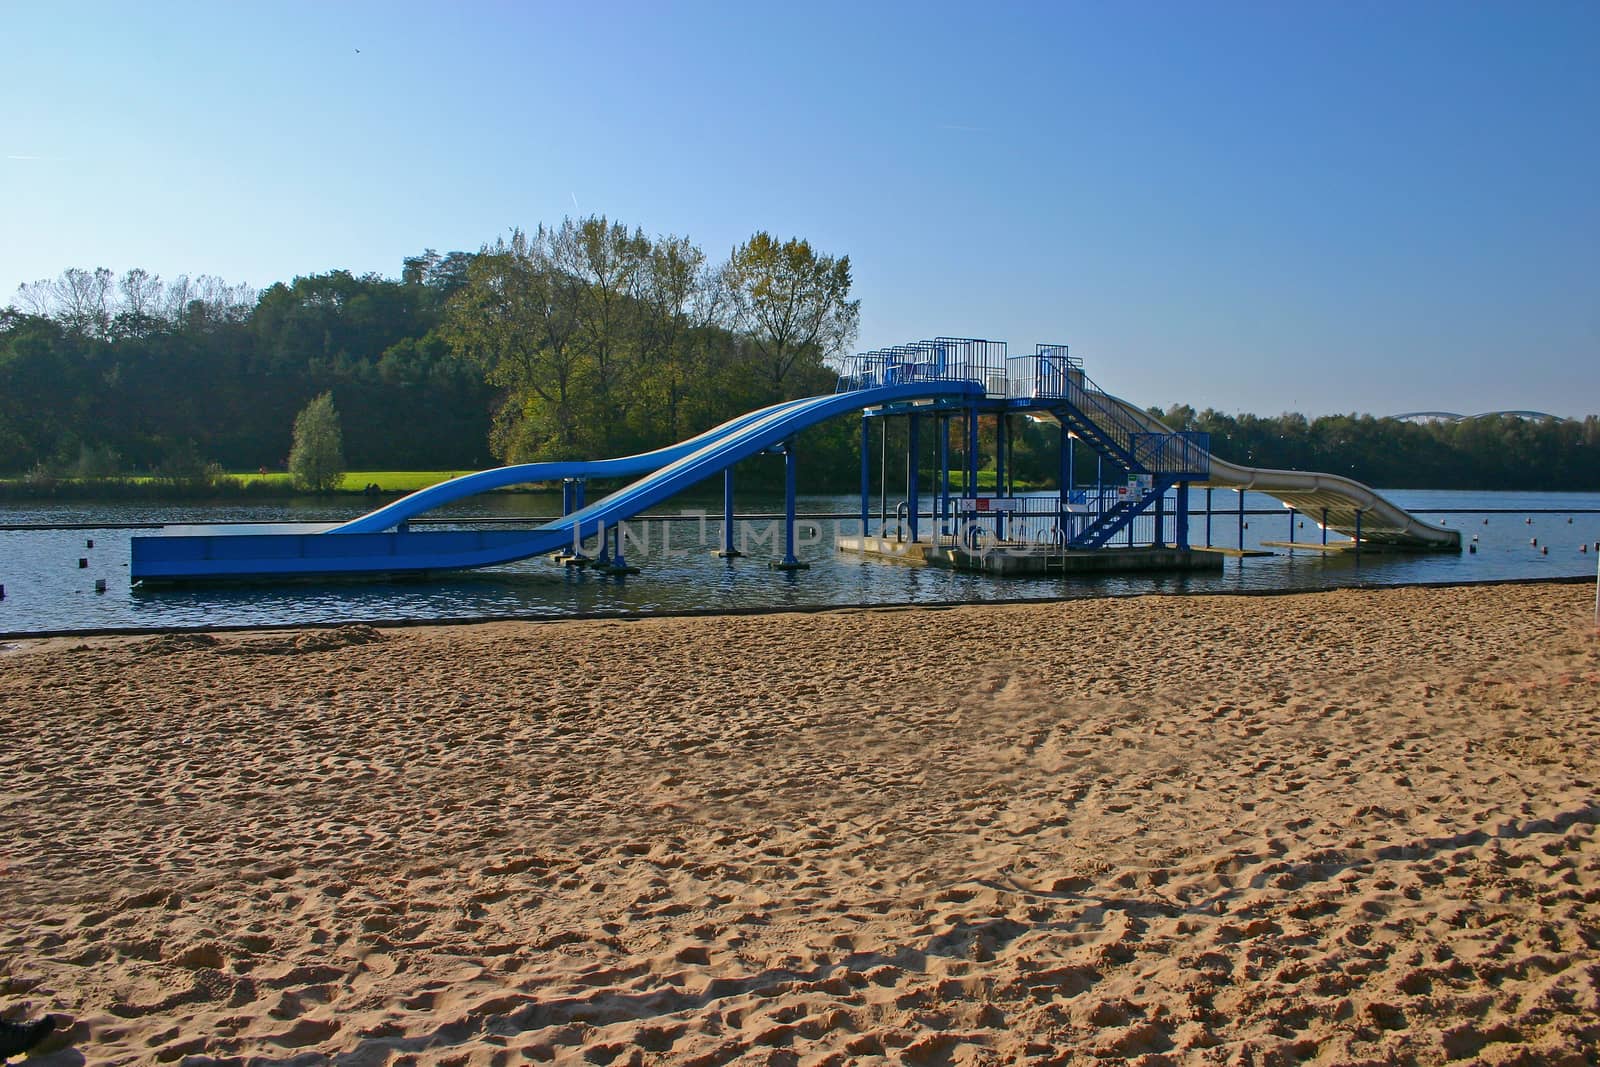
{"type": "Point", "coordinates": [789, 559]}
{"type": "Point", "coordinates": [434, 496]}
{"type": "Point", "coordinates": [233, 556]}
{"type": "Point", "coordinates": [1180, 533]}
{"type": "Point", "coordinates": [727, 511]}
{"type": "Point", "coordinates": [944, 474]}
{"type": "Point", "coordinates": [912, 455]}
{"type": "Point", "coordinates": [866, 471]}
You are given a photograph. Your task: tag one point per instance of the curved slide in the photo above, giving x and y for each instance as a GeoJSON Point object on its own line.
{"type": "Point", "coordinates": [364, 551]}
{"type": "Point", "coordinates": [424, 500]}
{"type": "Point", "coordinates": [1313, 494]}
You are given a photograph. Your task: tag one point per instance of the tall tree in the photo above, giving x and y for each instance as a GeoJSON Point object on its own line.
{"type": "Point", "coordinates": [516, 319]}
{"type": "Point", "coordinates": [316, 460]}
{"type": "Point", "coordinates": [607, 263]}
{"type": "Point", "coordinates": [794, 305]}
{"type": "Point", "coordinates": [683, 299]}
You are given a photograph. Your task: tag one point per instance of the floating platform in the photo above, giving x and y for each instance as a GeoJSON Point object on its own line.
{"type": "Point", "coordinates": [1024, 560]}
{"type": "Point", "coordinates": [1235, 553]}
{"type": "Point", "coordinates": [1313, 546]}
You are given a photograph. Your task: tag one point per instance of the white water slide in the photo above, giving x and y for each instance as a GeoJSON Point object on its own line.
{"type": "Point", "coordinates": [1332, 499]}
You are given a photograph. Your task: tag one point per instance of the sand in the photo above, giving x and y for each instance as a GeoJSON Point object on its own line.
{"type": "Point", "coordinates": [1342, 828]}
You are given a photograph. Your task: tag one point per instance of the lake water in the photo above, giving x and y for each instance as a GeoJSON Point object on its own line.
{"type": "Point", "coordinates": [46, 590]}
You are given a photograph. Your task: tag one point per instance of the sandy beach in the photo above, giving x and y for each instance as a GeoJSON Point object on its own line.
{"type": "Point", "coordinates": [1352, 827]}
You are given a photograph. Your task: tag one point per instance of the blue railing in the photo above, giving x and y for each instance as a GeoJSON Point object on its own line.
{"type": "Point", "coordinates": [1050, 373]}
{"type": "Point", "coordinates": [1185, 454]}
{"type": "Point", "coordinates": [943, 359]}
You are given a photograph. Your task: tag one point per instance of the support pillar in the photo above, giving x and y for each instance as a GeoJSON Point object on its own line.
{"type": "Point", "coordinates": [1180, 521]}
{"type": "Point", "coordinates": [1063, 481]}
{"type": "Point", "coordinates": [866, 474]}
{"type": "Point", "coordinates": [1208, 516]}
{"type": "Point", "coordinates": [883, 472]}
{"type": "Point", "coordinates": [1324, 525]}
{"type": "Point", "coordinates": [1358, 532]}
{"type": "Point", "coordinates": [619, 565]}
{"type": "Point", "coordinates": [944, 475]}
{"type": "Point", "coordinates": [1241, 518]}
{"type": "Point", "coordinates": [580, 490]}
{"type": "Point", "coordinates": [1002, 446]}
{"type": "Point", "coordinates": [790, 561]}
{"type": "Point", "coordinates": [1161, 517]}
{"type": "Point", "coordinates": [566, 497]}
{"type": "Point", "coordinates": [913, 448]}
{"type": "Point", "coordinates": [971, 488]}
{"type": "Point", "coordinates": [1291, 527]}
{"type": "Point", "coordinates": [727, 551]}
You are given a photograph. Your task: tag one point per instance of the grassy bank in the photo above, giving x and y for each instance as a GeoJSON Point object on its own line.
{"type": "Point", "coordinates": [230, 486]}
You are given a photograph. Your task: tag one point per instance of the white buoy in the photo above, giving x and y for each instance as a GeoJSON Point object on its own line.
{"type": "Point", "coordinates": [1533, 541]}
{"type": "Point", "coordinates": [1545, 551]}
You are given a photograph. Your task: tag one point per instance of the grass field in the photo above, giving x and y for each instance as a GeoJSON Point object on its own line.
{"type": "Point", "coordinates": [355, 481]}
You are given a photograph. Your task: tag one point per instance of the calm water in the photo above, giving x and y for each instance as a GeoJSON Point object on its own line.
{"type": "Point", "coordinates": [45, 590]}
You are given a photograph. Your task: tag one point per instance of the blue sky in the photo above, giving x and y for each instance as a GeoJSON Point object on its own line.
{"type": "Point", "coordinates": [1253, 207]}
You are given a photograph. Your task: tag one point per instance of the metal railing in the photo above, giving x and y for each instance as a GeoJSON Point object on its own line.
{"type": "Point", "coordinates": [1037, 521]}
{"type": "Point", "coordinates": [1184, 454]}
{"type": "Point", "coordinates": [1046, 374]}
{"type": "Point", "coordinates": [943, 359]}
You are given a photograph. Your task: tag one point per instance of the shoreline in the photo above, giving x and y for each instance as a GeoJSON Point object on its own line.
{"type": "Point", "coordinates": [22, 636]}
{"type": "Point", "coordinates": [1361, 825]}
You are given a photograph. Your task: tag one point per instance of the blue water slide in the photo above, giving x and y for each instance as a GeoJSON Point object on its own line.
{"type": "Point", "coordinates": [424, 500]}
{"type": "Point", "coordinates": [355, 553]}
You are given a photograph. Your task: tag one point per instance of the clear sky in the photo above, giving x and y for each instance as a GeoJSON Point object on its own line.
{"type": "Point", "coordinates": [1254, 207]}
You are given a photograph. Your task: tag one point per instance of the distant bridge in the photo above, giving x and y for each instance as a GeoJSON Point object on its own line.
{"type": "Point", "coordinates": [1451, 416]}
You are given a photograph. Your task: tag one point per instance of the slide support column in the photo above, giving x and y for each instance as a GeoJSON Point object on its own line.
{"type": "Point", "coordinates": [1002, 445]}
{"type": "Point", "coordinates": [1180, 520]}
{"type": "Point", "coordinates": [727, 551]}
{"type": "Point", "coordinates": [866, 475]}
{"type": "Point", "coordinates": [944, 475]}
{"type": "Point", "coordinates": [913, 447]}
{"type": "Point", "coordinates": [790, 561]}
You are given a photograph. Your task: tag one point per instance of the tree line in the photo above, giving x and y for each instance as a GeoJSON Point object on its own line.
{"type": "Point", "coordinates": [584, 339]}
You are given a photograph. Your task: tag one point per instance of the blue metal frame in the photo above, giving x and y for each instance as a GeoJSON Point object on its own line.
{"type": "Point", "coordinates": [941, 377]}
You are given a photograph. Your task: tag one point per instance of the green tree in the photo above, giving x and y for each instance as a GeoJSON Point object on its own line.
{"type": "Point", "coordinates": [516, 319]}
{"type": "Point", "coordinates": [316, 461]}
{"type": "Point", "coordinates": [794, 305]}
